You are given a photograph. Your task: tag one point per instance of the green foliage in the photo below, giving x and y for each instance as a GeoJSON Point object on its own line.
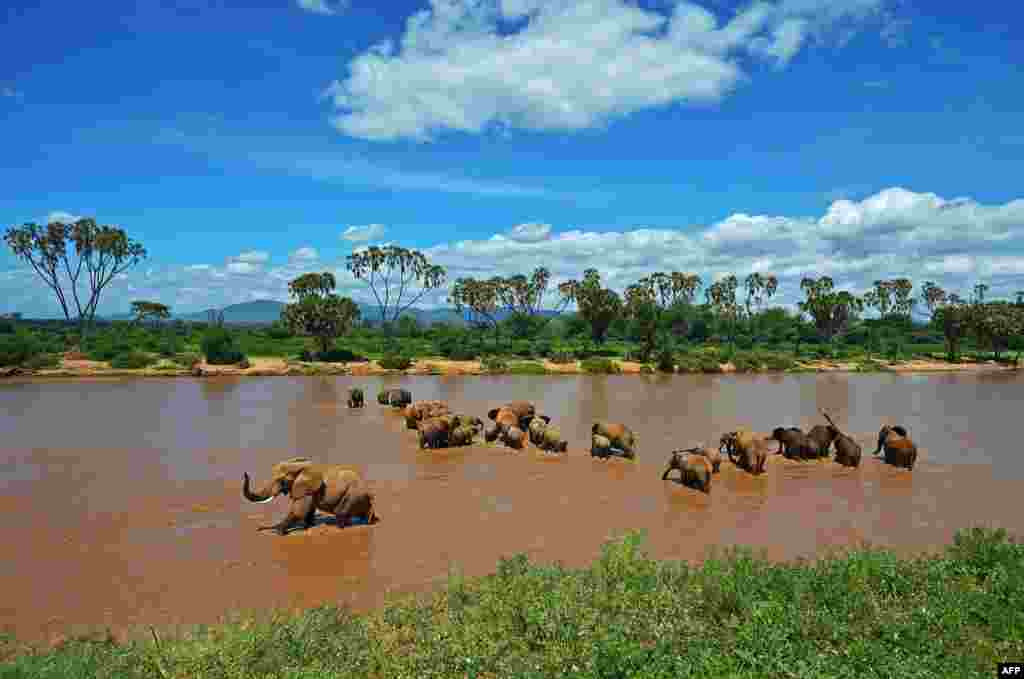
{"type": "Point", "coordinates": [17, 348]}
{"type": "Point", "coordinates": [527, 368]}
{"type": "Point", "coordinates": [601, 366]}
{"type": "Point", "coordinates": [279, 331]}
{"type": "Point", "coordinates": [666, 361]}
{"type": "Point", "coordinates": [562, 357]}
{"type": "Point", "coordinates": [41, 361]}
{"type": "Point", "coordinates": [132, 360]}
{"type": "Point", "coordinates": [7, 326]}
{"type": "Point", "coordinates": [395, 362]}
{"type": "Point", "coordinates": [494, 364]}
{"type": "Point", "coordinates": [219, 347]}
{"type": "Point", "coordinates": [866, 613]}
{"type": "Point", "coordinates": [335, 355]}
{"type": "Point", "coordinates": [188, 360]}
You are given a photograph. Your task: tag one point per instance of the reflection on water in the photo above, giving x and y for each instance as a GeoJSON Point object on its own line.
{"type": "Point", "coordinates": [151, 470]}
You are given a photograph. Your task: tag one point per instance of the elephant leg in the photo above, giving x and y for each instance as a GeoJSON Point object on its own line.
{"type": "Point", "coordinates": [665, 475]}
{"type": "Point", "coordinates": [301, 511]}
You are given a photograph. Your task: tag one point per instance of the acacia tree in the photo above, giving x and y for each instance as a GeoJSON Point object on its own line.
{"type": "Point", "coordinates": [953, 316]}
{"type": "Point", "coordinates": [995, 324]}
{"type": "Point", "coordinates": [480, 300]}
{"type": "Point", "coordinates": [933, 297]}
{"type": "Point", "coordinates": [760, 288]}
{"type": "Point", "coordinates": [393, 271]}
{"type": "Point", "coordinates": [831, 311]}
{"type": "Point", "coordinates": [902, 296]}
{"type": "Point", "coordinates": [61, 253]}
{"type": "Point", "coordinates": [598, 306]}
{"type": "Point", "coordinates": [721, 296]}
{"type": "Point", "coordinates": [143, 310]}
{"type": "Point", "coordinates": [318, 311]}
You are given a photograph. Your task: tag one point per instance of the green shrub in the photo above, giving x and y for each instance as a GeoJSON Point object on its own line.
{"type": "Point", "coordinates": [494, 364]}
{"type": "Point", "coordinates": [561, 357]}
{"type": "Point", "coordinates": [132, 360]}
{"type": "Point", "coordinates": [395, 362]}
{"type": "Point", "coordinates": [666, 361]}
{"type": "Point", "coordinates": [778, 362]}
{"type": "Point", "coordinates": [188, 360]}
{"type": "Point", "coordinates": [744, 342]}
{"type": "Point", "coordinates": [456, 348]}
{"type": "Point", "coordinates": [39, 361]}
{"type": "Point", "coordinates": [647, 369]}
{"type": "Point", "coordinates": [527, 368]}
{"type": "Point", "coordinates": [219, 347]}
{"type": "Point", "coordinates": [340, 356]}
{"type": "Point", "coordinates": [746, 362]}
{"type": "Point", "coordinates": [601, 366]}
{"type": "Point", "coordinates": [170, 345]}
{"type": "Point", "coordinates": [16, 348]}
{"type": "Point", "coordinates": [279, 331]}
{"type": "Point", "coordinates": [6, 326]}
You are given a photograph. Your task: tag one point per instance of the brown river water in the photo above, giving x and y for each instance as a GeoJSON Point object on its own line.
{"type": "Point", "coordinates": [121, 506]}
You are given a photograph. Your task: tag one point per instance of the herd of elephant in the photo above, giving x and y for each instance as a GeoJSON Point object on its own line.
{"type": "Point", "coordinates": [341, 491]}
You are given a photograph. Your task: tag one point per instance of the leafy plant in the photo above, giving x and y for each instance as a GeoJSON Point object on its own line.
{"type": "Point", "coordinates": [395, 362]}
{"type": "Point", "coordinates": [600, 366]}
{"type": "Point", "coordinates": [132, 360]}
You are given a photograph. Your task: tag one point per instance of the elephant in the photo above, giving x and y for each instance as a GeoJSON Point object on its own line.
{"type": "Point", "coordinates": [822, 436]}
{"type": "Point", "coordinates": [434, 432]}
{"type": "Point", "coordinates": [694, 470]}
{"type": "Point", "coordinates": [462, 435]}
{"type": "Point", "coordinates": [514, 413]}
{"type": "Point", "coordinates": [311, 486]}
{"type": "Point", "coordinates": [355, 397]}
{"type": "Point", "coordinates": [492, 433]}
{"type": "Point", "coordinates": [551, 440]}
{"type": "Point", "coordinates": [713, 455]}
{"type": "Point", "coordinates": [848, 451]}
{"type": "Point", "coordinates": [514, 437]}
{"type": "Point", "coordinates": [600, 446]}
{"type": "Point", "coordinates": [746, 450]}
{"type": "Point", "coordinates": [421, 410]}
{"type": "Point", "coordinates": [536, 428]}
{"type": "Point", "coordinates": [399, 398]}
{"type": "Point", "coordinates": [794, 444]}
{"type": "Point", "coordinates": [471, 421]}
{"type": "Point", "coordinates": [621, 437]}
{"type": "Point", "coordinates": [900, 451]}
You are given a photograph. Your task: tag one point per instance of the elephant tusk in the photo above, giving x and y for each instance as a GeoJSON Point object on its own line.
{"type": "Point", "coordinates": [263, 502]}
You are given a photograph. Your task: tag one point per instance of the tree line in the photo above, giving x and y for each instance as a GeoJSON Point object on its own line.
{"type": "Point", "coordinates": [663, 308]}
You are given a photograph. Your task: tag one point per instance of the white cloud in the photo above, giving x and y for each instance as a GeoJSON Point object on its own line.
{"type": "Point", "coordinates": [254, 257]}
{"type": "Point", "coordinates": [574, 64]}
{"type": "Point", "coordinates": [11, 93]}
{"type": "Point", "coordinates": [61, 216]}
{"type": "Point", "coordinates": [955, 242]}
{"type": "Point", "coordinates": [323, 6]}
{"type": "Point", "coordinates": [304, 254]}
{"type": "Point", "coordinates": [359, 234]}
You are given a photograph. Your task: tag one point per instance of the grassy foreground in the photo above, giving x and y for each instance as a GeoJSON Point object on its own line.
{"type": "Point", "coordinates": [862, 614]}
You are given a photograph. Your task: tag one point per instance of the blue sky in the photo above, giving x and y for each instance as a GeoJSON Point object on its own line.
{"type": "Point", "coordinates": [241, 141]}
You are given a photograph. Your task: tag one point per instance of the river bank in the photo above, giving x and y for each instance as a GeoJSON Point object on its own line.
{"type": "Point", "coordinates": [273, 366]}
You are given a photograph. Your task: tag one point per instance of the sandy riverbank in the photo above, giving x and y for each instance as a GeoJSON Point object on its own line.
{"type": "Point", "coordinates": [270, 366]}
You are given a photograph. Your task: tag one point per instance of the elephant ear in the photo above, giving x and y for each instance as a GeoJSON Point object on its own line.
{"type": "Point", "coordinates": [492, 413]}
{"type": "Point", "coordinates": [291, 467]}
{"type": "Point", "coordinates": [547, 420]}
{"type": "Point", "coordinates": [305, 484]}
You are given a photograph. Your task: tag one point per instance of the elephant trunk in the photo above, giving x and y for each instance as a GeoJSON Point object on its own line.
{"type": "Point", "coordinates": [251, 496]}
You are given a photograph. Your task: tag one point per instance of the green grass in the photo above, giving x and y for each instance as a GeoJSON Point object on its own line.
{"type": "Point", "coordinates": [863, 614]}
{"type": "Point", "coordinates": [527, 368]}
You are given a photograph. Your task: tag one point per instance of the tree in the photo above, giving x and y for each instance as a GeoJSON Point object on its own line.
{"type": "Point", "coordinates": [143, 310]}
{"type": "Point", "coordinates": [760, 288]}
{"type": "Point", "coordinates": [526, 295]}
{"type": "Point", "coordinates": [598, 306]}
{"type": "Point", "coordinates": [953, 316]}
{"type": "Point", "coordinates": [721, 296]}
{"type": "Point", "coordinates": [902, 296]}
{"type": "Point", "coordinates": [995, 324]}
{"type": "Point", "coordinates": [831, 311]}
{"type": "Point", "coordinates": [880, 298]}
{"type": "Point", "coordinates": [398, 271]}
{"type": "Point", "coordinates": [933, 297]}
{"type": "Point", "coordinates": [60, 253]}
{"type": "Point", "coordinates": [480, 300]}
{"type": "Point", "coordinates": [318, 311]}
{"type": "Point", "coordinates": [979, 293]}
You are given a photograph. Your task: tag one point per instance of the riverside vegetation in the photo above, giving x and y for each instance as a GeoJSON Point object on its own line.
{"type": "Point", "coordinates": [863, 613]}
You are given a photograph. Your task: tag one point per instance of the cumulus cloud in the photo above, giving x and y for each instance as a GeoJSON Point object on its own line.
{"type": "Point", "coordinates": [467, 65]}
{"type": "Point", "coordinates": [955, 242]}
{"type": "Point", "coordinates": [304, 254]}
{"type": "Point", "coordinates": [62, 217]}
{"type": "Point", "coordinates": [359, 234]}
{"type": "Point", "coordinates": [323, 6]}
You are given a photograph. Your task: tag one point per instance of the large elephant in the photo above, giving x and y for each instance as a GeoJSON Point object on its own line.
{"type": "Point", "coordinates": [355, 397]}
{"type": "Point", "coordinates": [536, 429]}
{"type": "Point", "coordinates": [514, 437]}
{"type": "Point", "coordinates": [471, 421]}
{"type": "Point", "coordinates": [620, 436]}
{"type": "Point", "coordinates": [492, 433]}
{"type": "Point", "coordinates": [848, 451]}
{"type": "Point", "coordinates": [311, 486]}
{"type": "Point", "coordinates": [600, 446]}
{"type": "Point", "coordinates": [822, 436]}
{"type": "Point", "coordinates": [713, 455]}
{"type": "Point", "coordinates": [900, 451]}
{"type": "Point", "coordinates": [552, 441]}
{"type": "Point", "coordinates": [694, 470]}
{"type": "Point", "coordinates": [462, 435]}
{"type": "Point", "coordinates": [513, 414]}
{"type": "Point", "coordinates": [746, 450]}
{"type": "Point", "coordinates": [794, 444]}
{"type": "Point", "coordinates": [423, 410]}
{"type": "Point", "coordinates": [434, 432]}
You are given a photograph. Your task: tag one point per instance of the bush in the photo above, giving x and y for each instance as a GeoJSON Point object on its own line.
{"type": "Point", "coordinates": [561, 357]}
{"type": "Point", "coordinates": [600, 366]}
{"type": "Point", "coordinates": [339, 356]}
{"type": "Point", "coordinates": [17, 348]}
{"type": "Point", "coordinates": [456, 348]}
{"type": "Point", "coordinates": [646, 369]}
{"type": "Point", "coordinates": [666, 362]}
{"type": "Point", "coordinates": [170, 345]}
{"type": "Point", "coordinates": [39, 361]}
{"type": "Point", "coordinates": [494, 364]}
{"type": "Point", "coordinates": [218, 345]}
{"type": "Point", "coordinates": [278, 331]}
{"type": "Point", "coordinates": [745, 342]}
{"type": "Point", "coordinates": [132, 360]}
{"type": "Point", "coordinates": [527, 368]}
{"type": "Point", "coordinates": [778, 362]}
{"type": "Point", "coordinates": [395, 362]}
{"type": "Point", "coordinates": [188, 360]}
{"type": "Point", "coordinates": [746, 362]}
{"type": "Point", "coordinates": [6, 326]}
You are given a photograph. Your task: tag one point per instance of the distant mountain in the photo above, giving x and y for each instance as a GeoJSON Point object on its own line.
{"type": "Point", "coordinates": [266, 311]}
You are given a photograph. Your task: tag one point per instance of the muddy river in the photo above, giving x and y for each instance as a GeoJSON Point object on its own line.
{"type": "Point", "coordinates": [120, 501]}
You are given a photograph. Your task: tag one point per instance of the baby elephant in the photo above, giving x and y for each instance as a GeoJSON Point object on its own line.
{"type": "Point", "coordinates": [600, 446]}
{"type": "Point", "coordinates": [694, 470]}
{"type": "Point", "coordinates": [746, 450]}
{"type": "Point", "coordinates": [551, 440]}
{"type": "Point", "coordinates": [900, 451]}
{"type": "Point", "coordinates": [822, 437]}
{"type": "Point", "coordinates": [621, 437]}
{"type": "Point", "coordinates": [433, 433]}
{"type": "Point", "coordinates": [492, 433]}
{"type": "Point", "coordinates": [462, 436]}
{"type": "Point", "coordinates": [355, 397]}
{"type": "Point", "coordinates": [847, 450]}
{"type": "Point", "coordinates": [713, 455]}
{"type": "Point", "coordinates": [536, 429]}
{"type": "Point", "coordinates": [794, 444]}
{"type": "Point", "coordinates": [514, 437]}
